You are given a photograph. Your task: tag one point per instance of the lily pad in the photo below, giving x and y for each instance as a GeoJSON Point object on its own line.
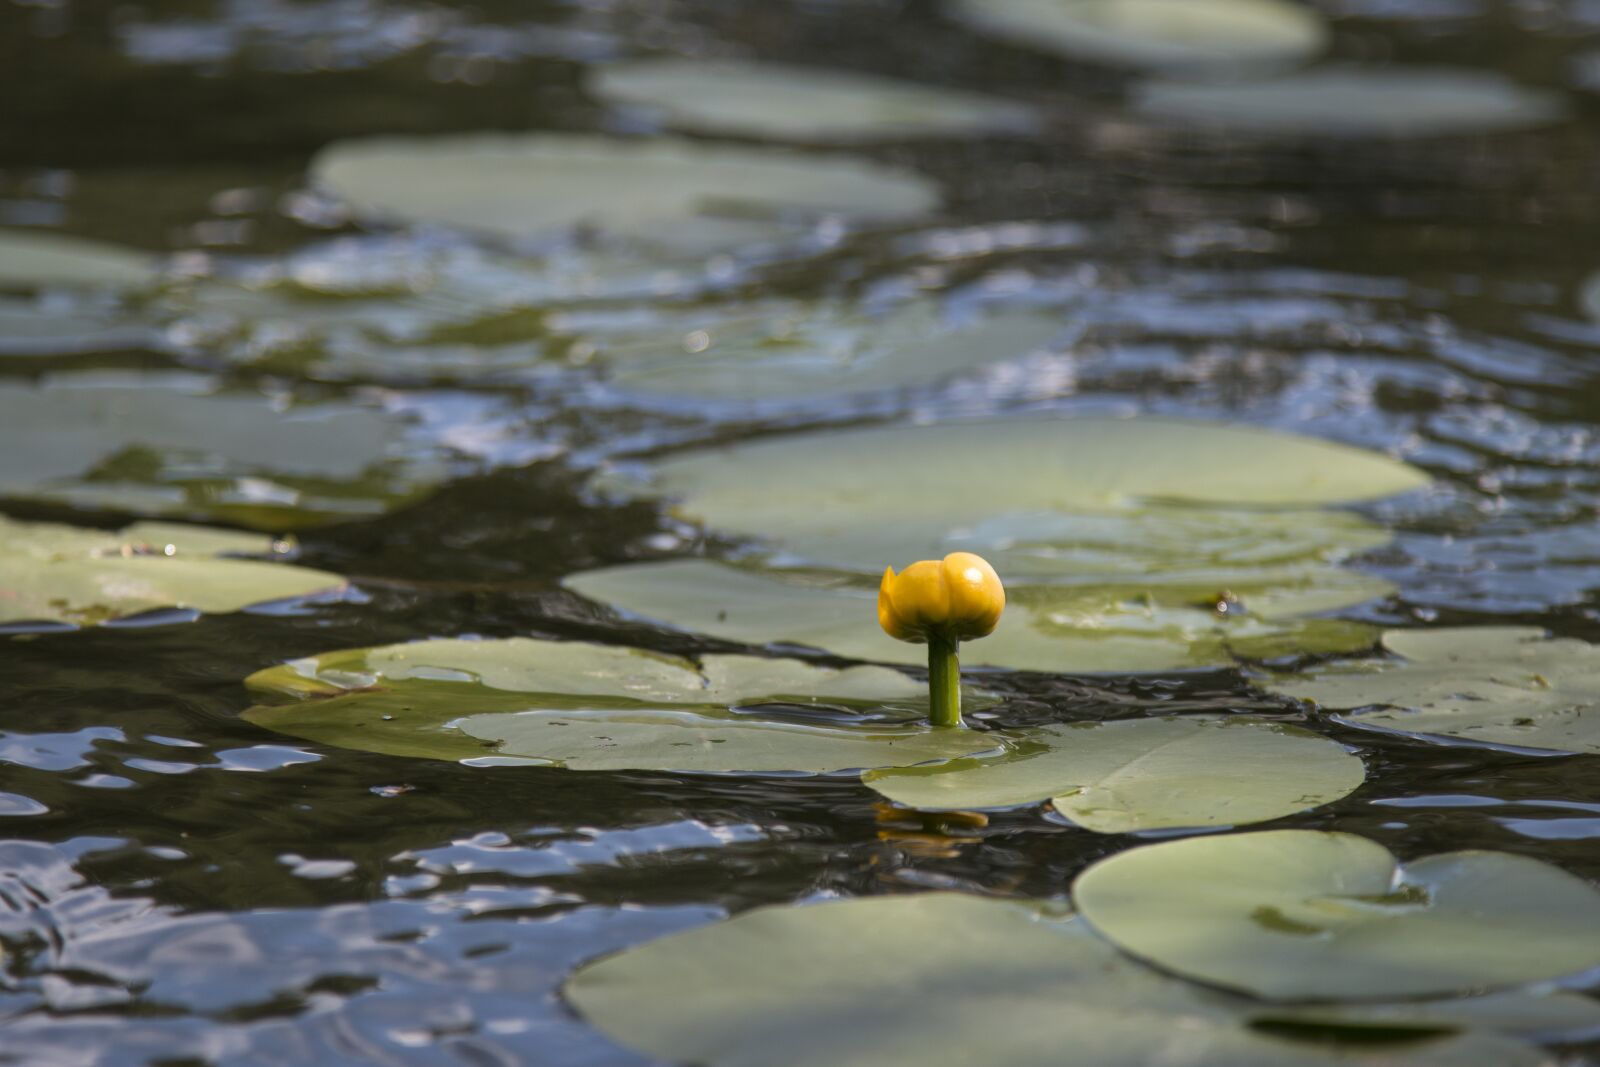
{"type": "Point", "coordinates": [596, 707]}
{"type": "Point", "coordinates": [663, 192]}
{"type": "Point", "coordinates": [40, 259]}
{"type": "Point", "coordinates": [1110, 628]}
{"type": "Point", "coordinates": [56, 573]}
{"type": "Point", "coordinates": [397, 308]}
{"type": "Point", "coordinates": [1142, 774]}
{"type": "Point", "coordinates": [803, 103]}
{"type": "Point", "coordinates": [833, 496]}
{"type": "Point", "coordinates": [1299, 914]}
{"type": "Point", "coordinates": [782, 351]}
{"type": "Point", "coordinates": [1218, 36]}
{"type": "Point", "coordinates": [941, 980]}
{"type": "Point", "coordinates": [1339, 101]}
{"type": "Point", "coordinates": [1129, 544]}
{"type": "Point", "coordinates": [1502, 685]}
{"type": "Point", "coordinates": [169, 444]}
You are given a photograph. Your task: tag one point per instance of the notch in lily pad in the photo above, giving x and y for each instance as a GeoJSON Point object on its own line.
{"type": "Point", "coordinates": [597, 707]}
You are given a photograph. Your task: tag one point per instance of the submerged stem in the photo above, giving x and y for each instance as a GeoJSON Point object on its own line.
{"type": "Point", "coordinates": [944, 683]}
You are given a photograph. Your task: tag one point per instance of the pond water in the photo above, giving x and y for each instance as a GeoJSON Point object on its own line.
{"type": "Point", "coordinates": [179, 885]}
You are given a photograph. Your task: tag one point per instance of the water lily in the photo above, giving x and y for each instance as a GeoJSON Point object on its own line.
{"type": "Point", "coordinates": [942, 602]}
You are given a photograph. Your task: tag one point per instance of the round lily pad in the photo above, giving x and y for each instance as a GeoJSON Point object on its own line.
{"type": "Point", "coordinates": [1502, 685]}
{"type": "Point", "coordinates": [665, 192]}
{"type": "Point", "coordinates": [597, 707]}
{"type": "Point", "coordinates": [1142, 774]}
{"type": "Point", "coordinates": [170, 444]}
{"type": "Point", "coordinates": [40, 259]}
{"type": "Point", "coordinates": [1299, 914]}
{"type": "Point", "coordinates": [781, 351]}
{"type": "Point", "coordinates": [1218, 36]}
{"type": "Point", "coordinates": [1073, 629]}
{"type": "Point", "coordinates": [51, 573]}
{"type": "Point", "coordinates": [941, 980]}
{"type": "Point", "coordinates": [837, 493]}
{"type": "Point", "coordinates": [803, 103]}
{"type": "Point", "coordinates": [1339, 101]}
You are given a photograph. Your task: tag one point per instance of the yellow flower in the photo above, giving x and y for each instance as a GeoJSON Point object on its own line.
{"type": "Point", "coordinates": [958, 598]}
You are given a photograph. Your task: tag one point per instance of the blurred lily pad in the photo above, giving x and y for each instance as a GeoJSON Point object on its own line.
{"type": "Point", "coordinates": [845, 498]}
{"type": "Point", "coordinates": [672, 194]}
{"type": "Point", "coordinates": [1142, 774]}
{"type": "Point", "coordinates": [805, 103]}
{"type": "Point", "coordinates": [941, 980]}
{"type": "Point", "coordinates": [780, 351]}
{"type": "Point", "coordinates": [1503, 685]}
{"type": "Point", "coordinates": [170, 444]}
{"type": "Point", "coordinates": [1107, 628]}
{"type": "Point", "coordinates": [1218, 36]}
{"type": "Point", "coordinates": [1340, 101]}
{"type": "Point", "coordinates": [398, 308]}
{"type": "Point", "coordinates": [596, 707]}
{"type": "Point", "coordinates": [55, 573]}
{"type": "Point", "coordinates": [1299, 914]}
{"type": "Point", "coordinates": [41, 259]}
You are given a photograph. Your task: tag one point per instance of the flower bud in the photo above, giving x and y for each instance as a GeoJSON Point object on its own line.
{"type": "Point", "coordinates": [958, 598]}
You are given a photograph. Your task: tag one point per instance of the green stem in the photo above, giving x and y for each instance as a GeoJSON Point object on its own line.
{"type": "Point", "coordinates": [944, 683]}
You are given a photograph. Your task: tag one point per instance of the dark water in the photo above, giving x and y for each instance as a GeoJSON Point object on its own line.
{"type": "Point", "coordinates": [177, 886]}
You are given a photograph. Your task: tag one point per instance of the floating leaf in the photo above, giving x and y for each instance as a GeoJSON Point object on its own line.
{"type": "Point", "coordinates": [940, 980]}
{"type": "Point", "coordinates": [1142, 774]}
{"type": "Point", "coordinates": [824, 488]}
{"type": "Point", "coordinates": [55, 573]}
{"type": "Point", "coordinates": [805, 103]}
{"type": "Point", "coordinates": [785, 350]}
{"type": "Point", "coordinates": [40, 259]}
{"type": "Point", "coordinates": [30, 327]}
{"type": "Point", "coordinates": [1298, 914]}
{"type": "Point", "coordinates": [1339, 101]}
{"type": "Point", "coordinates": [595, 707]}
{"type": "Point", "coordinates": [1502, 685]}
{"type": "Point", "coordinates": [387, 308]}
{"type": "Point", "coordinates": [1113, 628]}
{"type": "Point", "coordinates": [662, 191]}
{"type": "Point", "coordinates": [1218, 36]}
{"type": "Point", "coordinates": [166, 443]}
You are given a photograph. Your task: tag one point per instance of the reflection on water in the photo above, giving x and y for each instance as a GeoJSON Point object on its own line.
{"type": "Point", "coordinates": [178, 885]}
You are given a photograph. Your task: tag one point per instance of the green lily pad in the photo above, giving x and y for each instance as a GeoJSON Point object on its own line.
{"type": "Point", "coordinates": [386, 309]}
{"type": "Point", "coordinates": [1339, 101]}
{"type": "Point", "coordinates": [1111, 628]}
{"type": "Point", "coordinates": [960, 483]}
{"type": "Point", "coordinates": [169, 444]}
{"type": "Point", "coordinates": [55, 573]}
{"type": "Point", "coordinates": [1127, 544]}
{"type": "Point", "coordinates": [40, 259]}
{"type": "Point", "coordinates": [31, 327]}
{"type": "Point", "coordinates": [1299, 914]}
{"type": "Point", "coordinates": [1502, 685]}
{"type": "Point", "coordinates": [941, 980]}
{"type": "Point", "coordinates": [804, 103]}
{"type": "Point", "coordinates": [663, 192]}
{"type": "Point", "coordinates": [1142, 774]}
{"type": "Point", "coordinates": [596, 707]}
{"type": "Point", "coordinates": [783, 350]}
{"type": "Point", "coordinates": [1218, 36]}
